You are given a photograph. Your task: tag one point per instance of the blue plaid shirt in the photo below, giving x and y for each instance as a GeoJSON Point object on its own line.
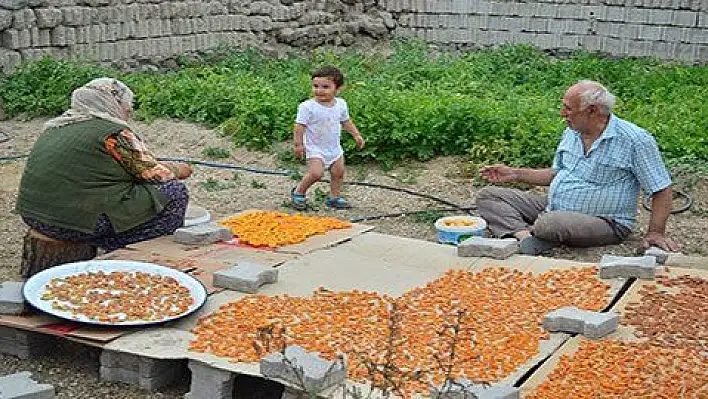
{"type": "Point", "coordinates": [606, 181]}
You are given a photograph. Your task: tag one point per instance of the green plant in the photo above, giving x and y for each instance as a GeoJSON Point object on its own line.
{"type": "Point", "coordinates": [215, 185]}
{"type": "Point", "coordinates": [426, 217]}
{"type": "Point", "coordinates": [216, 152]}
{"type": "Point", "coordinates": [497, 105]}
{"type": "Point", "coordinates": [257, 184]}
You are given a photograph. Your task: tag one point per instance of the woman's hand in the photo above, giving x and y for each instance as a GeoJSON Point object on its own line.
{"type": "Point", "coordinates": [184, 171]}
{"type": "Point", "coordinates": [181, 170]}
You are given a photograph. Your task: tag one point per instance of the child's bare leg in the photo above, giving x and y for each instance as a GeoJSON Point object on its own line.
{"type": "Point", "coordinates": [315, 170]}
{"type": "Point", "coordinates": [336, 172]}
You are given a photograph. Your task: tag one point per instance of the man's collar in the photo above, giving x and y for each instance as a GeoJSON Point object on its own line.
{"type": "Point", "coordinates": [610, 130]}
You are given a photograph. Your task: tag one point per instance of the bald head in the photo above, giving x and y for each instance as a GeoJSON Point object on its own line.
{"type": "Point", "coordinates": [589, 92]}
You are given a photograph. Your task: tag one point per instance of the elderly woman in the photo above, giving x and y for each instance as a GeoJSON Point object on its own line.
{"type": "Point", "coordinates": [89, 178]}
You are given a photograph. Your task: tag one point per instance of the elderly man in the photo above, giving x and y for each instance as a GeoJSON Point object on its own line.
{"type": "Point", "coordinates": [598, 169]}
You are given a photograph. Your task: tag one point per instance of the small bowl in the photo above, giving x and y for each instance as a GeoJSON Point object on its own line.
{"type": "Point", "coordinates": [455, 229]}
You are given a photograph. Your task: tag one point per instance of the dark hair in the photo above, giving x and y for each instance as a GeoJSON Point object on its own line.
{"type": "Point", "coordinates": [330, 72]}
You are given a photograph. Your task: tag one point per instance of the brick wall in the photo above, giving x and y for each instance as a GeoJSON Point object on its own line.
{"type": "Point", "coordinates": [151, 30]}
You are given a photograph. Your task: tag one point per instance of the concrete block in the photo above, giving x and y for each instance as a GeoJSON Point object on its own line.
{"type": "Point", "coordinates": [206, 233]}
{"type": "Point", "coordinates": [151, 383]}
{"type": "Point", "coordinates": [643, 267]}
{"type": "Point", "coordinates": [147, 373]}
{"type": "Point", "coordinates": [464, 388]}
{"type": "Point", "coordinates": [16, 39]}
{"type": "Point", "coordinates": [13, 4]}
{"type": "Point", "coordinates": [24, 19]}
{"type": "Point", "coordinates": [22, 386]}
{"type": "Point", "coordinates": [11, 299]}
{"type": "Point", "coordinates": [658, 253]}
{"type": "Point", "coordinates": [48, 17]}
{"type": "Point", "coordinates": [25, 344]}
{"type": "Point", "coordinates": [5, 19]}
{"type": "Point", "coordinates": [498, 248]}
{"type": "Point", "coordinates": [246, 276]}
{"type": "Point", "coordinates": [304, 369]}
{"type": "Point", "coordinates": [209, 382]}
{"type": "Point", "coordinates": [588, 323]}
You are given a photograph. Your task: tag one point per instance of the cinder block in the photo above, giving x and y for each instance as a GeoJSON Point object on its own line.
{"type": "Point", "coordinates": [299, 367]}
{"type": "Point", "coordinates": [25, 344]}
{"type": "Point", "coordinates": [643, 267]}
{"type": "Point", "coordinates": [22, 386]}
{"type": "Point", "coordinates": [147, 373]}
{"type": "Point", "coordinates": [206, 233]}
{"type": "Point", "coordinates": [246, 276]}
{"type": "Point", "coordinates": [16, 39]}
{"type": "Point", "coordinates": [659, 254]}
{"type": "Point", "coordinates": [498, 248]}
{"type": "Point", "coordinates": [588, 323]}
{"type": "Point", "coordinates": [11, 299]}
{"type": "Point", "coordinates": [209, 382]}
{"type": "Point", "coordinates": [13, 4]}
{"type": "Point", "coordinates": [464, 388]}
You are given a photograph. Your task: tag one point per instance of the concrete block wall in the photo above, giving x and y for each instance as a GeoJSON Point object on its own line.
{"type": "Point", "coordinates": [149, 31]}
{"type": "Point", "coordinates": [667, 29]}
{"type": "Point", "coordinates": [152, 30]}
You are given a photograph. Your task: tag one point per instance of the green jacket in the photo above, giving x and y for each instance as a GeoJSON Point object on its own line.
{"type": "Point", "coordinates": [70, 180]}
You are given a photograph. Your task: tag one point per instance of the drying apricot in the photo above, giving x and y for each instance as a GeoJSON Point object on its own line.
{"type": "Point", "coordinates": [274, 229]}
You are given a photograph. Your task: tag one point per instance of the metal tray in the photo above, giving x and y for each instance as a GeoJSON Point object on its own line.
{"type": "Point", "coordinates": [35, 286]}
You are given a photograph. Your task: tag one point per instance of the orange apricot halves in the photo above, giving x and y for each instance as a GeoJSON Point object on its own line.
{"type": "Point", "coordinates": [274, 229]}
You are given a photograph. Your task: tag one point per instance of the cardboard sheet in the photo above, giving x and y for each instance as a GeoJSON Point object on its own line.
{"type": "Point", "coordinates": [172, 262]}
{"type": "Point", "coordinates": [222, 253]}
{"type": "Point", "coordinates": [157, 343]}
{"type": "Point", "coordinates": [94, 336]}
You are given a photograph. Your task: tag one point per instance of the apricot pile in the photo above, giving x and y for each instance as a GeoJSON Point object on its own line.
{"type": "Point", "coordinates": [493, 317]}
{"type": "Point", "coordinates": [275, 229]}
{"type": "Point", "coordinates": [673, 313]}
{"type": "Point", "coordinates": [672, 319]}
{"type": "Point", "coordinates": [460, 223]}
{"type": "Point", "coordinates": [118, 297]}
{"type": "Point", "coordinates": [613, 369]}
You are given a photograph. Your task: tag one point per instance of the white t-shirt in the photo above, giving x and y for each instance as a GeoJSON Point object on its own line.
{"type": "Point", "coordinates": [323, 128]}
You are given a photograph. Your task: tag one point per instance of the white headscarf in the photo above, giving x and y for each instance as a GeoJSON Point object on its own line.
{"type": "Point", "coordinates": [104, 98]}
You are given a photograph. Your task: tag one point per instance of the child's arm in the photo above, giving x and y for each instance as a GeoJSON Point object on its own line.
{"type": "Point", "coordinates": [349, 126]}
{"type": "Point", "coordinates": [299, 132]}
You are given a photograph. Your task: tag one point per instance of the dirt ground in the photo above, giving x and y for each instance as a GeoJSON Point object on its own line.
{"type": "Point", "coordinates": [225, 192]}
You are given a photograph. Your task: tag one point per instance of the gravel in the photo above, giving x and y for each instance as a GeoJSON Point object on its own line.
{"type": "Point", "coordinates": [73, 368]}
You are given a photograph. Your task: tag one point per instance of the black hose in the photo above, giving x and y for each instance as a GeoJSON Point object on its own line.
{"type": "Point", "coordinates": [407, 213]}
{"type": "Point", "coordinates": [228, 166]}
{"type": "Point", "coordinates": [688, 202]}
{"type": "Point", "coordinates": [4, 136]}
{"type": "Point", "coordinates": [288, 172]}
{"type": "Point", "coordinates": [12, 157]}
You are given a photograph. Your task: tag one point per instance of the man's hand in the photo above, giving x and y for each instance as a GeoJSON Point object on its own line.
{"type": "Point", "coordinates": [499, 174]}
{"type": "Point", "coordinates": [659, 240]}
{"type": "Point", "coordinates": [299, 151]}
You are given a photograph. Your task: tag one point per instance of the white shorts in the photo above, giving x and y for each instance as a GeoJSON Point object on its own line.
{"type": "Point", "coordinates": [327, 159]}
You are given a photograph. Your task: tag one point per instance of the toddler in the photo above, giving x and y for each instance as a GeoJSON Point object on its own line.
{"type": "Point", "coordinates": [318, 127]}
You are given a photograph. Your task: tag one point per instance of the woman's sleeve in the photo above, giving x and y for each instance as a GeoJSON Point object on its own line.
{"type": "Point", "coordinates": [126, 148]}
